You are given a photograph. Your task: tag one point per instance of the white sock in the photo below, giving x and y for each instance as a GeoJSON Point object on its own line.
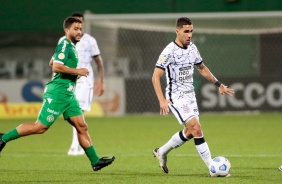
{"type": "Point", "coordinates": [176, 140]}
{"type": "Point", "coordinates": [203, 150]}
{"type": "Point", "coordinates": [75, 143]}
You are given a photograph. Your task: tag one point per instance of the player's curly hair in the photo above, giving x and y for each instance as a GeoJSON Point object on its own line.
{"type": "Point", "coordinates": [69, 21]}
{"type": "Point", "coordinates": [183, 21]}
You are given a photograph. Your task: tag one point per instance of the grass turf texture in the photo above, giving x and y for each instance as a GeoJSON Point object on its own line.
{"type": "Point", "coordinates": [251, 142]}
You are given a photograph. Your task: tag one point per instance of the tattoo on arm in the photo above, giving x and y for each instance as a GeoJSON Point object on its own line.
{"type": "Point", "coordinates": [205, 72]}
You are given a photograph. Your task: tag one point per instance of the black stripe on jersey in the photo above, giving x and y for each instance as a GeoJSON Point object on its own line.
{"type": "Point", "coordinates": [177, 113]}
{"type": "Point", "coordinates": [199, 63]}
{"type": "Point", "coordinates": [184, 47]}
{"type": "Point", "coordinates": [160, 67]}
{"type": "Point", "coordinates": [169, 83]}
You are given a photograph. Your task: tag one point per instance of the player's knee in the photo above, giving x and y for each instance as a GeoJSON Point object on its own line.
{"type": "Point", "coordinates": [196, 129]}
{"type": "Point", "coordinates": [82, 128]}
{"type": "Point", "coordinates": [188, 133]}
{"type": "Point", "coordinates": [198, 133]}
{"type": "Point", "coordinates": [39, 128]}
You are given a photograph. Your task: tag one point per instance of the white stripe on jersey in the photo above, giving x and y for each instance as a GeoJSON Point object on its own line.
{"type": "Point", "coordinates": [178, 63]}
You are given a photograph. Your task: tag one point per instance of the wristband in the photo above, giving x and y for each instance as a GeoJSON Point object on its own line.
{"type": "Point", "coordinates": [217, 83]}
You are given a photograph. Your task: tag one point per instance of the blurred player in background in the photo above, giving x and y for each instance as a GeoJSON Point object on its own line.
{"type": "Point", "coordinates": [59, 97]}
{"type": "Point", "coordinates": [177, 61]}
{"type": "Point", "coordinates": [87, 50]}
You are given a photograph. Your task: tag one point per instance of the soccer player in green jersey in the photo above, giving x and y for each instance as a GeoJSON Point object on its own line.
{"type": "Point", "coordinates": [59, 97]}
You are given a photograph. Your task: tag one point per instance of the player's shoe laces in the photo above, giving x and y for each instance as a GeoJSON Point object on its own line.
{"type": "Point", "coordinates": [162, 159]}
{"type": "Point", "coordinates": [2, 143]}
{"type": "Point", "coordinates": [103, 162]}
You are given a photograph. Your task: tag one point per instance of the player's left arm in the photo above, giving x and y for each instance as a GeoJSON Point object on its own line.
{"type": "Point", "coordinates": [100, 68]}
{"type": "Point", "coordinates": [205, 72]}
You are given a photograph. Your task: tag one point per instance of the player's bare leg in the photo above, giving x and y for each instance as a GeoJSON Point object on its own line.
{"type": "Point", "coordinates": [31, 128]}
{"type": "Point", "coordinates": [24, 129]}
{"type": "Point", "coordinates": [75, 148]}
{"type": "Point", "coordinates": [85, 142]}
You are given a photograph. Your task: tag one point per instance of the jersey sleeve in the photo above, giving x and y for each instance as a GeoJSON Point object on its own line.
{"type": "Point", "coordinates": [61, 39]}
{"type": "Point", "coordinates": [94, 49]}
{"type": "Point", "coordinates": [61, 53]}
{"type": "Point", "coordinates": [164, 59]}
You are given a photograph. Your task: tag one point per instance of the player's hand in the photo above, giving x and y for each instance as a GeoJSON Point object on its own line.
{"type": "Point", "coordinates": [82, 72]}
{"type": "Point", "coordinates": [100, 89]}
{"type": "Point", "coordinates": [164, 109]}
{"type": "Point", "coordinates": [225, 90]}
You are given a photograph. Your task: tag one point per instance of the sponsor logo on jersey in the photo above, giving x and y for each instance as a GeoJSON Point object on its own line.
{"type": "Point", "coordinates": [52, 111]}
{"type": "Point", "coordinates": [49, 100]}
{"type": "Point", "coordinates": [50, 118]}
{"type": "Point", "coordinates": [61, 56]}
{"type": "Point", "coordinates": [185, 68]}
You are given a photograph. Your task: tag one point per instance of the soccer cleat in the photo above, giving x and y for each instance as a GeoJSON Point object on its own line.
{"type": "Point", "coordinates": [162, 159]}
{"type": "Point", "coordinates": [102, 162]}
{"type": "Point", "coordinates": [2, 143]}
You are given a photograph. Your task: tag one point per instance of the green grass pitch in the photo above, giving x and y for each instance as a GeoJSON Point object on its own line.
{"type": "Point", "coordinates": [252, 143]}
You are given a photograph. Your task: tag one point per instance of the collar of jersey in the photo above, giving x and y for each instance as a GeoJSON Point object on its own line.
{"type": "Point", "coordinates": [70, 41]}
{"type": "Point", "coordinates": [180, 46]}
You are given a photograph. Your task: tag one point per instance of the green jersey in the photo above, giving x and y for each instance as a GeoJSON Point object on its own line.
{"type": "Point", "coordinates": [62, 86]}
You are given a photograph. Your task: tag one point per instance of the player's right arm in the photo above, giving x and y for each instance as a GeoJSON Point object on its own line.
{"type": "Point", "coordinates": [156, 79]}
{"type": "Point", "coordinates": [100, 68]}
{"type": "Point", "coordinates": [61, 68]}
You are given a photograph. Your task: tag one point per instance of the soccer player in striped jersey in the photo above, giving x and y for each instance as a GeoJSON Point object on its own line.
{"type": "Point", "coordinates": [177, 62]}
{"type": "Point", "coordinates": [87, 50]}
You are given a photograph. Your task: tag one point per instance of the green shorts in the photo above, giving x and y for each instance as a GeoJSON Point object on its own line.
{"type": "Point", "coordinates": [51, 109]}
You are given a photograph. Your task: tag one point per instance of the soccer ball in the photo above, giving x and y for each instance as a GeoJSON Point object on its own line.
{"type": "Point", "coordinates": [219, 167]}
{"type": "Point", "coordinates": [280, 168]}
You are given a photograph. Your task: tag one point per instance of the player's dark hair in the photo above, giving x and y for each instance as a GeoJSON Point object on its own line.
{"type": "Point", "coordinates": [69, 21]}
{"type": "Point", "coordinates": [183, 21]}
{"type": "Point", "coordinates": [78, 14]}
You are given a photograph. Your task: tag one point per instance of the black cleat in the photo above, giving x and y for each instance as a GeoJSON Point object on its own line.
{"type": "Point", "coordinates": [103, 162]}
{"type": "Point", "coordinates": [2, 143]}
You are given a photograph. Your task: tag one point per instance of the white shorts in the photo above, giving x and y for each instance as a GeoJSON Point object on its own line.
{"type": "Point", "coordinates": [84, 95]}
{"type": "Point", "coordinates": [184, 109]}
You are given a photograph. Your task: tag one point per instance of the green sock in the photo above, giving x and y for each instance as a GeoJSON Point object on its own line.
{"type": "Point", "coordinates": [11, 135]}
{"type": "Point", "coordinates": [91, 154]}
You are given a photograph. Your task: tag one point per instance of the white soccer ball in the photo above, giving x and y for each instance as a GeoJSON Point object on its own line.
{"type": "Point", "coordinates": [219, 167]}
{"type": "Point", "coordinates": [280, 168]}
